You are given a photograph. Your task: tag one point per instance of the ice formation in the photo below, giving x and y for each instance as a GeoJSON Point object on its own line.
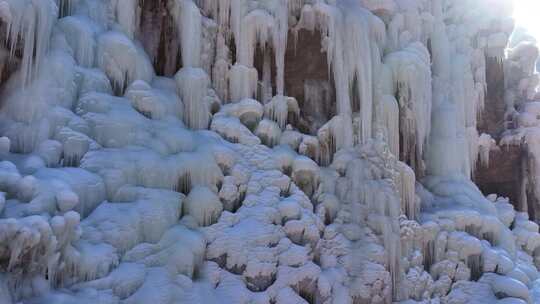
{"type": "Point", "coordinates": [266, 151]}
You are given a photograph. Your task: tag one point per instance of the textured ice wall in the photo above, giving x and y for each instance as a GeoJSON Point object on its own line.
{"type": "Point", "coordinates": [120, 185]}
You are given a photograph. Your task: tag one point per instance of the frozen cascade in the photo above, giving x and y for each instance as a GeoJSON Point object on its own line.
{"type": "Point", "coordinates": [81, 36]}
{"type": "Point", "coordinates": [127, 15]}
{"type": "Point", "coordinates": [188, 22]}
{"type": "Point", "coordinates": [32, 23]}
{"type": "Point", "coordinates": [238, 180]}
{"type": "Point", "coordinates": [351, 30]}
{"type": "Point", "coordinates": [122, 60]}
{"type": "Point", "coordinates": [411, 78]}
{"type": "Point", "coordinates": [193, 85]}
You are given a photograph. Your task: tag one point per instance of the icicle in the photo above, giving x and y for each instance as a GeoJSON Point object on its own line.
{"type": "Point", "coordinates": [351, 30]}
{"type": "Point", "coordinates": [242, 82]}
{"type": "Point", "coordinates": [238, 8]}
{"type": "Point", "coordinates": [279, 35]}
{"type": "Point", "coordinates": [31, 22]}
{"type": "Point", "coordinates": [221, 12]}
{"type": "Point", "coordinates": [122, 60]}
{"type": "Point", "coordinates": [220, 71]}
{"type": "Point", "coordinates": [442, 158]}
{"type": "Point", "coordinates": [192, 85]}
{"type": "Point", "coordinates": [473, 144]}
{"type": "Point", "coordinates": [486, 144]}
{"type": "Point", "coordinates": [80, 33]}
{"type": "Point", "coordinates": [279, 108]}
{"type": "Point", "coordinates": [188, 20]}
{"type": "Point", "coordinates": [255, 30]}
{"type": "Point", "coordinates": [390, 120]}
{"type": "Point", "coordinates": [333, 136]}
{"type": "Point", "coordinates": [203, 205]}
{"type": "Point", "coordinates": [307, 19]}
{"type": "Point", "coordinates": [412, 83]}
{"type": "Point", "coordinates": [391, 244]}
{"type": "Point", "coordinates": [269, 132]}
{"type": "Point", "coordinates": [127, 15]}
{"type": "Point", "coordinates": [267, 78]}
{"type": "Point", "coordinates": [66, 7]}
{"type": "Point", "coordinates": [408, 196]}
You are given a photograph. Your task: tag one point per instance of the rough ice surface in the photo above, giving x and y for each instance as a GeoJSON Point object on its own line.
{"type": "Point", "coordinates": [156, 152]}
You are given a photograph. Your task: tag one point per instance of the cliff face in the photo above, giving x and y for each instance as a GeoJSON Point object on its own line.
{"type": "Point", "coordinates": [267, 151]}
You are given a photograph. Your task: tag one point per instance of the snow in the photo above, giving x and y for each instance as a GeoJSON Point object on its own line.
{"type": "Point", "coordinates": [121, 185]}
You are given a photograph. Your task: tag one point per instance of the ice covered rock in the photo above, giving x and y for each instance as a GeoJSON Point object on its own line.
{"type": "Point", "coordinates": [233, 130]}
{"type": "Point", "coordinates": [305, 173]}
{"type": "Point", "coordinates": [504, 287]}
{"type": "Point", "coordinates": [269, 132]}
{"type": "Point", "coordinates": [122, 60]}
{"type": "Point", "coordinates": [249, 111]}
{"type": "Point", "coordinates": [204, 205]}
{"type": "Point", "coordinates": [66, 200]}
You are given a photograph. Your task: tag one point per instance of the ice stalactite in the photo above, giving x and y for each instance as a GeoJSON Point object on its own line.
{"type": "Point", "coordinates": [220, 71]}
{"type": "Point", "coordinates": [342, 27]}
{"type": "Point", "coordinates": [390, 121]}
{"type": "Point", "coordinates": [122, 60]}
{"type": "Point", "coordinates": [279, 38]}
{"type": "Point", "coordinates": [411, 74]}
{"type": "Point", "coordinates": [370, 171]}
{"type": "Point", "coordinates": [32, 23]}
{"type": "Point", "coordinates": [221, 12]}
{"type": "Point", "coordinates": [407, 181]}
{"type": "Point", "coordinates": [193, 85]}
{"type": "Point", "coordinates": [333, 136]}
{"type": "Point", "coordinates": [442, 158]}
{"type": "Point", "coordinates": [348, 30]}
{"type": "Point", "coordinates": [466, 112]}
{"type": "Point", "coordinates": [81, 34]}
{"type": "Point", "coordinates": [203, 205]}
{"type": "Point", "coordinates": [443, 133]}
{"type": "Point", "coordinates": [269, 132]}
{"type": "Point", "coordinates": [188, 19]}
{"type": "Point", "coordinates": [280, 108]}
{"type": "Point", "coordinates": [252, 30]}
{"type": "Point", "coordinates": [267, 78]}
{"type": "Point", "coordinates": [127, 16]}
{"type": "Point", "coordinates": [242, 82]}
{"type": "Point", "coordinates": [256, 30]}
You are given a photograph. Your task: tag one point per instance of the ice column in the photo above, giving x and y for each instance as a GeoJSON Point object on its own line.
{"type": "Point", "coordinates": [188, 20]}
{"type": "Point", "coordinates": [192, 85]}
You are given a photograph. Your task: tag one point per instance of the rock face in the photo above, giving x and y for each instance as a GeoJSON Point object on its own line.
{"type": "Point", "coordinates": [159, 37]}
{"type": "Point", "coordinates": [270, 152]}
{"type": "Point", "coordinates": [309, 80]}
{"type": "Point", "coordinates": [503, 175]}
{"type": "Point", "coordinates": [492, 119]}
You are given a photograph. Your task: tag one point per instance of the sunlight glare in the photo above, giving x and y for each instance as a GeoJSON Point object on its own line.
{"type": "Point", "coordinates": [527, 15]}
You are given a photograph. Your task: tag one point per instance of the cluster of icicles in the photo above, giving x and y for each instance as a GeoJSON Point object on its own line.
{"type": "Point", "coordinates": [124, 186]}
